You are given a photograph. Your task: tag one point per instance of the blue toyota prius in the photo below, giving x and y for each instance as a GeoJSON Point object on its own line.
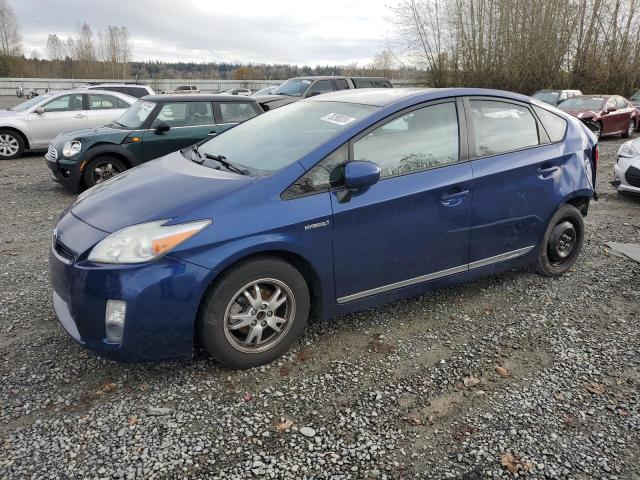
{"type": "Point", "coordinates": [322, 207]}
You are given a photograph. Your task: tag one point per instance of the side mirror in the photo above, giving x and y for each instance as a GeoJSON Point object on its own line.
{"type": "Point", "coordinates": [359, 175]}
{"type": "Point", "coordinates": [161, 128]}
{"type": "Point", "coordinates": [39, 110]}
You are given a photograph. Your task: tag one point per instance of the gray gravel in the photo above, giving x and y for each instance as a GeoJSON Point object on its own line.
{"type": "Point", "coordinates": [512, 372]}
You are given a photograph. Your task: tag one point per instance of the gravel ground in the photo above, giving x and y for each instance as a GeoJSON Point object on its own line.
{"type": "Point", "coordinates": [513, 373]}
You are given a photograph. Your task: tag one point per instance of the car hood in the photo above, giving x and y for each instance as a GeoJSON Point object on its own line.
{"type": "Point", "coordinates": [10, 113]}
{"type": "Point", "coordinates": [161, 189]}
{"type": "Point", "coordinates": [580, 113]}
{"type": "Point", "coordinates": [114, 134]}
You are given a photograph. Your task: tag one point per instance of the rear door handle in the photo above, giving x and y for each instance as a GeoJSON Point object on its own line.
{"type": "Point", "coordinates": [454, 199]}
{"type": "Point", "coordinates": [80, 115]}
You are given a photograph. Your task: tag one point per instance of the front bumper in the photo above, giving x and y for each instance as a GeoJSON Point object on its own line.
{"type": "Point", "coordinates": [64, 171]}
{"type": "Point", "coordinates": [623, 170]}
{"type": "Point", "coordinates": [162, 298]}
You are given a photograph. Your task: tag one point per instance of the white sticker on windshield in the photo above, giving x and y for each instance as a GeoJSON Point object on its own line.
{"type": "Point", "coordinates": [337, 119]}
{"type": "Point", "coordinates": [147, 105]}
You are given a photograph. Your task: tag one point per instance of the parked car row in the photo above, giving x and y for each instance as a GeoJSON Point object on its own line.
{"type": "Point", "coordinates": [329, 205]}
{"type": "Point", "coordinates": [604, 114]}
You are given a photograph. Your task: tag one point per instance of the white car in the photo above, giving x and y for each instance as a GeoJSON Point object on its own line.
{"type": "Point", "coordinates": [627, 168]}
{"type": "Point", "coordinates": [34, 123]}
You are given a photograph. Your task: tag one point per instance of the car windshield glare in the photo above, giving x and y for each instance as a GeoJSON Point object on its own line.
{"type": "Point", "coordinates": [30, 103]}
{"type": "Point", "coordinates": [136, 115]}
{"type": "Point", "coordinates": [272, 141]}
{"type": "Point", "coordinates": [293, 87]}
{"type": "Point", "coordinates": [582, 103]}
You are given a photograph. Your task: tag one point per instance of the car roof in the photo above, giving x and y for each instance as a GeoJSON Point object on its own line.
{"type": "Point", "coordinates": [595, 95]}
{"type": "Point", "coordinates": [98, 85]}
{"type": "Point", "coordinates": [199, 97]}
{"type": "Point", "coordinates": [381, 97]}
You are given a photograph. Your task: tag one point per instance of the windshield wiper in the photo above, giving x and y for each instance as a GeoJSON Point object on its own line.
{"type": "Point", "coordinates": [195, 150]}
{"type": "Point", "coordinates": [221, 159]}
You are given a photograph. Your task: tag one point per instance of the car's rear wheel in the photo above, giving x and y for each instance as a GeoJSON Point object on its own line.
{"type": "Point", "coordinates": [562, 242]}
{"type": "Point", "coordinates": [254, 313]}
{"type": "Point", "coordinates": [630, 129]}
{"type": "Point", "coordinates": [101, 169]}
{"type": "Point", "coordinates": [11, 144]}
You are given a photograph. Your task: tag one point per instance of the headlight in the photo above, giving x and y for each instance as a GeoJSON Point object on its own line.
{"type": "Point", "coordinates": [144, 242]}
{"type": "Point", "coordinates": [71, 148]}
{"type": "Point", "coordinates": [629, 149]}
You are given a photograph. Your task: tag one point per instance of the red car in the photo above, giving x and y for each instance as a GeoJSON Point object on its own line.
{"type": "Point", "coordinates": [611, 114]}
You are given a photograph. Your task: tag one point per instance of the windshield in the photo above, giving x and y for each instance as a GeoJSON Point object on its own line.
{"type": "Point", "coordinates": [547, 96]}
{"type": "Point", "coordinates": [280, 137]}
{"type": "Point", "coordinates": [293, 87]}
{"type": "Point", "coordinates": [30, 103]}
{"type": "Point", "coordinates": [582, 103]}
{"type": "Point", "coordinates": [135, 115]}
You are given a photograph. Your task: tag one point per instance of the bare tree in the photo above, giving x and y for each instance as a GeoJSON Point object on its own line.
{"type": "Point", "coordinates": [56, 49]}
{"type": "Point", "coordinates": [10, 38]}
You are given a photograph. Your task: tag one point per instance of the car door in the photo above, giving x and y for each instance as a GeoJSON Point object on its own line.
{"type": "Point", "coordinates": [625, 113]}
{"type": "Point", "coordinates": [229, 114]}
{"type": "Point", "coordinates": [413, 225]}
{"type": "Point", "coordinates": [61, 114]}
{"type": "Point", "coordinates": [516, 170]}
{"type": "Point", "coordinates": [611, 118]}
{"type": "Point", "coordinates": [103, 109]}
{"type": "Point", "coordinates": [189, 122]}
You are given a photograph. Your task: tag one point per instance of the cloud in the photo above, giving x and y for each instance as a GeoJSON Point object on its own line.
{"type": "Point", "coordinates": [311, 33]}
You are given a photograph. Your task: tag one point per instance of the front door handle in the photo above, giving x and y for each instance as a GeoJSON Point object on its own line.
{"type": "Point", "coordinates": [547, 170]}
{"type": "Point", "coordinates": [80, 115]}
{"type": "Point", "coordinates": [454, 199]}
{"type": "Point", "coordinates": [212, 132]}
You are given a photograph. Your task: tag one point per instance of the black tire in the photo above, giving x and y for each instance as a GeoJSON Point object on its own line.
{"type": "Point", "coordinates": [222, 342]}
{"type": "Point", "coordinates": [553, 260]}
{"type": "Point", "coordinates": [112, 165]}
{"type": "Point", "coordinates": [9, 140]}
{"type": "Point", "coordinates": [630, 129]}
{"type": "Point", "coordinates": [598, 132]}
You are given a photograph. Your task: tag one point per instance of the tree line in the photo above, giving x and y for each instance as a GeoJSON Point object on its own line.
{"type": "Point", "coordinates": [522, 45]}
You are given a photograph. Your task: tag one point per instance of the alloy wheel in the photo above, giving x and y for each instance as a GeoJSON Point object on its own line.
{"type": "Point", "coordinates": [104, 171]}
{"type": "Point", "coordinates": [259, 315]}
{"type": "Point", "coordinates": [8, 145]}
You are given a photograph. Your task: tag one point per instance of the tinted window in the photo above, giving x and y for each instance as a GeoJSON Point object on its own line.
{"type": "Point", "coordinates": [342, 84]}
{"type": "Point", "coordinates": [321, 177]}
{"type": "Point", "coordinates": [65, 103]}
{"type": "Point", "coordinates": [236, 112]}
{"type": "Point", "coordinates": [371, 83]}
{"type": "Point", "coordinates": [183, 88]}
{"type": "Point", "coordinates": [102, 102]}
{"type": "Point", "coordinates": [136, 92]}
{"type": "Point", "coordinates": [321, 86]}
{"type": "Point", "coordinates": [502, 127]}
{"type": "Point", "coordinates": [555, 125]}
{"type": "Point", "coordinates": [424, 138]}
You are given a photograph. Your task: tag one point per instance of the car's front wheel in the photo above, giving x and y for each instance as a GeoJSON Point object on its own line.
{"type": "Point", "coordinates": [254, 313]}
{"type": "Point", "coordinates": [101, 169]}
{"type": "Point", "coordinates": [562, 242]}
{"type": "Point", "coordinates": [11, 144]}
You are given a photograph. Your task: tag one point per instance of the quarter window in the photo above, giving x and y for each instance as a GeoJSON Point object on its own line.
{"type": "Point", "coordinates": [502, 127]}
{"type": "Point", "coordinates": [65, 103]}
{"type": "Point", "coordinates": [555, 125]}
{"type": "Point", "coordinates": [425, 138]}
{"type": "Point", "coordinates": [321, 177]}
{"type": "Point", "coordinates": [236, 112]}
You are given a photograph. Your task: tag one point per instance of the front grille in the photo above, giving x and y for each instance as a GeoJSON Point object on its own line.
{"type": "Point", "coordinates": [632, 176]}
{"type": "Point", "coordinates": [61, 249]}
{"type": "Point", "coordinates": [52, 154]}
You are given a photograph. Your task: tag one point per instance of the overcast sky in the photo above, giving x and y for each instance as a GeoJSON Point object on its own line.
{"type": "Point", "coordinates": [306, 32]}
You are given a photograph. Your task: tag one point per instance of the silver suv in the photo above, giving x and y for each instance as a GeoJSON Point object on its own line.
{"type": "Point", "coordinates": [134, 90]}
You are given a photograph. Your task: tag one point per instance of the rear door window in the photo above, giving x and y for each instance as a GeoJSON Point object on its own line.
{"type": "Point", "coordinates": [342, 84]}
{"type": "Point", "coordinates": [102, 102]}
{"type": "Point", "coordinates": [501, 127]}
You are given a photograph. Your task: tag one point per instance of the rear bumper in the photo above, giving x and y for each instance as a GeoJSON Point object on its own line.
{"type": "Point", "coordinates": [162, 299]}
